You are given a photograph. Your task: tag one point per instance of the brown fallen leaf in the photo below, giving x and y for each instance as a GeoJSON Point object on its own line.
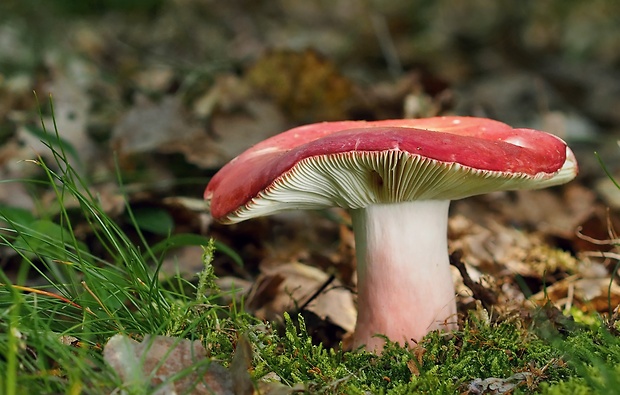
{"type": "Point", "coordinates": [499, 249]}
{"type": "Point", "coordinates": [149, 125]}
{"type": "Point", "coordinates": [236, 118]}
{"type": "Point", "coordinates": [512, 262]}
{"type": "Point", "coordinates": [13, 167]}
{"type": "Point", "coordinates": [242, 361]}
{"type": "Point", "coordinates": [549, 212]}
{"type": "Point", "coordinates": [68, 87]}
{"type": "Point", "coordinates": [288, 286]}
{"type": "Point", "coordinates": [585, 294]}
{"type": "Point", "coordinates": [414, 365]}
{"type": "Point", "coordinates": [179, 366]}
{"type": "Point", "coordinates": [175, 365]}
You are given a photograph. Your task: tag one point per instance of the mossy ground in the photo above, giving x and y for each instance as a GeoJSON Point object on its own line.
{"type": "Point", "coordinates": [583, 360]}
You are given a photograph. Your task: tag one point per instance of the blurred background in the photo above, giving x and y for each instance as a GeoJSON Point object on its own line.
{"type": "Point", "coordinates": [205, 79]}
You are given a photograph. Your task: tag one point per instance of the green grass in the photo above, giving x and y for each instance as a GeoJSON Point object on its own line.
{"type": "Point", "coordinates": [52, 334]}
{"type": "Point", "coordinates": [89, 297]}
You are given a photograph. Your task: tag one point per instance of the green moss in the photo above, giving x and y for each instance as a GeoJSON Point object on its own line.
{"type": "Point", "coordinates": [580, 361]}
{"type": "Point", "coordinates": [441, 363]}
{"type": "Point", "coordinates": [573, 386]}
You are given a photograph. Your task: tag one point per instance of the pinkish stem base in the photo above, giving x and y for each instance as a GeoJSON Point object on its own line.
{"type": "Point", "coordinates": [405, 287]}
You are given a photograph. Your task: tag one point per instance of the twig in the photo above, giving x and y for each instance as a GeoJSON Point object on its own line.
{"type": "Point", "coordinates": [596, 241]}
{"type": "Point", "coordinates": [484, 295]}
{"type": "Point", "coordinates": [316, 293]}
{"type": "Point", "coordinates": [602, 254]}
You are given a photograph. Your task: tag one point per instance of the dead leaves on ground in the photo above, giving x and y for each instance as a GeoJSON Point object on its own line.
{"type": "Point", "coordinates": [289, 287]}
{"type": "Point", "coordinates": [169, 365]}
{"type": "Point", "coordinates": [543, 258]}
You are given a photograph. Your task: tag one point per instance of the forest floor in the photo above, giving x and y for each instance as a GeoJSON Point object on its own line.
{"type": "Point", "coordinates": [114, 115]}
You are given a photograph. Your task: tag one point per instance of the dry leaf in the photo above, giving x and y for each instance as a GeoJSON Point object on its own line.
{"type": "Point", "coordinates": [285, 287]}
{"type": "Point", "coordinates": [183, 261]}
{"type": "Point", "coordinates": [498, 247]}
{"type": "Point", "coordinates": [242, 361]}
{"type": "Point", "coordinates": [549, 212]}
{"type": "Point", "coordinates": [13, 167]}
{"type": "Point", "coordinates": [148, 125]}
{"type": "Point", "coordinates": [589, 290]}
{"type": "Point", "coordinates": [158, 360]}
{"type": "Point", "coordinates": [413, 365]}
{"type": "Point", "coordinates": [238, 118]}
{"type": "Point", "coordinates": [72, 101]}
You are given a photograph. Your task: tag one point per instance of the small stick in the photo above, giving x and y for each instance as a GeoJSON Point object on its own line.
{"type": "Point", "coordinates": [317, 293]}
{"type": "Point", "coordinates": [484, 295]}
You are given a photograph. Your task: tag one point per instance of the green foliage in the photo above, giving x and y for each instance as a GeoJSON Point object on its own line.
{"type": "Point", "coordinates": [153, 219]}
{"type": "Point", "coordinates": [295, 359]}
{"type": "Point", "coordinates": [573, 386]}
{"type": "Point", "coordinates": [51, 336]}
{"type": "Point", "coordinates": [206, 278]}
{"type": "Point", "coordinates": [593, 355]}
{"type": "Point", "coordinates": [15, 215]}
{"type": "Point", "coordinates": [47, 239]}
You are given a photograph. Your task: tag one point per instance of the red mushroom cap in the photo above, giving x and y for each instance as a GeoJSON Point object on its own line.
{"type": "Point", "coordinates": [458, 150]}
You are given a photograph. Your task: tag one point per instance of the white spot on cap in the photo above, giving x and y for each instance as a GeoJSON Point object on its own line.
{"type": "Point", "coordinates": [516, 140]}
{"type": "Point", "coordinates": [263, 151]}
{"type": "Point", "coordinates": [456, 121]}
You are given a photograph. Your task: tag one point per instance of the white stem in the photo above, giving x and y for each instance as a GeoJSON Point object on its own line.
{"type": "Point", "coordinates": [404, 282]}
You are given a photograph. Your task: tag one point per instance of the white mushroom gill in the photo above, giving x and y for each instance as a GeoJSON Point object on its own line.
{"type": "Point", "coordinates": [356, 180]}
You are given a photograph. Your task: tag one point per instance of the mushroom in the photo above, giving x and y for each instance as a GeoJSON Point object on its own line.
{"type": "Point", "coordinates": [397, 178]}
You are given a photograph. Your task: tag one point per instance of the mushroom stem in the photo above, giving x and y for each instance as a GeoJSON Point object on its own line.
{"type": "Point", "coordinates": [404, 283]}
